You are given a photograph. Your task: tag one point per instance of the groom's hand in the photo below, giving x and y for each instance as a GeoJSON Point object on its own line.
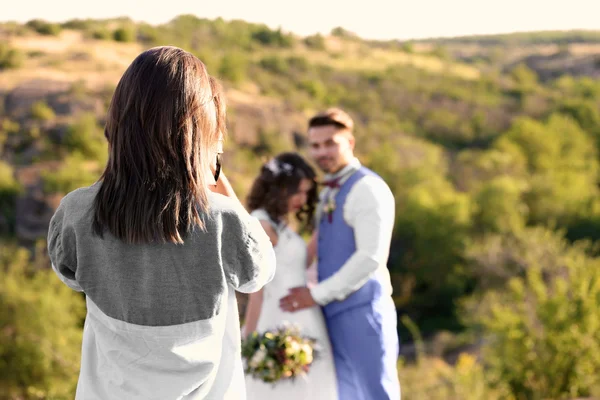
{"type": "Point", "coordinates": [299, 298]}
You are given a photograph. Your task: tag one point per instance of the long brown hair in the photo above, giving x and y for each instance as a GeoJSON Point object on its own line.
{"type": "Point", "coordinates": [164, 120]}
{"type": "Point", "coordinates": [279, 179]}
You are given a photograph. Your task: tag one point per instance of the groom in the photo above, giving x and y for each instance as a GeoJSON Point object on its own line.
{"type": "Point", "coordinates": [355, 222]}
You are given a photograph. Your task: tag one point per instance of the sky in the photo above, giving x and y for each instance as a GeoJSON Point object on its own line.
{"type": "Point", "coordinates": [370, 19]}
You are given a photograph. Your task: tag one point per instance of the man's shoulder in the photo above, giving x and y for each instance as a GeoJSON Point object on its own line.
{"type": "Point", "coordinates": [366, 171]}
{"type": "Point", "coordinates": [370, 191]}
{"type": "Point", "coordinates": [371, 181]}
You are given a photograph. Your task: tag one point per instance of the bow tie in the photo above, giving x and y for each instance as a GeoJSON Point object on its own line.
{"type": "Point", "coordinates": [333, 184]}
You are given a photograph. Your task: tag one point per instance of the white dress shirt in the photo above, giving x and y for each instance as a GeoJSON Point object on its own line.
{"type": "Point", "coordinates": [370, 210]}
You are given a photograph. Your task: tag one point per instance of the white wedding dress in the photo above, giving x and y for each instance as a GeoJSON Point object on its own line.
{"type": "Point", "coordinates": [320, 382]}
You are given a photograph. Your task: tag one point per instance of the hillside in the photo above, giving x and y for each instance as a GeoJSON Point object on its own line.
{"type": "Point", "coordinates": [490, 145]}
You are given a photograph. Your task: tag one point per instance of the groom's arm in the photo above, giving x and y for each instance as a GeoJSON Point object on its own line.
{"type": "Point", "coordinates": [370, 210]}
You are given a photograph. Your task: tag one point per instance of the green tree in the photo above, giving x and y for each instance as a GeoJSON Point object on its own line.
{"type": "Point", "coordinates": [524, 77]}
{"type": "Point", "coordinates": [500, 206]}
{"type": "Point", "coordinates": [562, 163]}
{"type": "Point", "coordinates": [432, 226]}
{"type": "Point", "coordinates": [474, 168]}
{"type": "Point", "coordinates": [586, 113]}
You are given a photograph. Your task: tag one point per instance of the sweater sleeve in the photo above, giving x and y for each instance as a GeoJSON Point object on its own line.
{"type": "Point", "coordinates": [248, 255]}
{"type": "Point", "coordinates": [62, 247]}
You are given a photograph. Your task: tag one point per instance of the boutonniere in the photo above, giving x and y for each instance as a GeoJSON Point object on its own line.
{"type": "Point", "coordinates": [329, 208]}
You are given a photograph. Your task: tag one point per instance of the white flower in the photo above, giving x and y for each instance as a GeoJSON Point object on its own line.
{"type": "Point", "coordinates": [295, 346]}
{"type": "Point", "coordinates": [277, 168]}
{"type": "Point", "coordinates": [307, 349]}
{"type": "Point", "coordinates": [258, 357]}
{"type": "Point", "coordinates": [272, 166]}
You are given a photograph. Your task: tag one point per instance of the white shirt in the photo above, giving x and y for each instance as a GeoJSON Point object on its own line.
{"type": "Point", "coordinates": [370, 210]}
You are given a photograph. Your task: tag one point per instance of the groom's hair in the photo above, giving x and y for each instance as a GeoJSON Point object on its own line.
{"type": "Point", "coordinates": [332, 116]}
{"type": "Point", "coordinates": [163, 124]}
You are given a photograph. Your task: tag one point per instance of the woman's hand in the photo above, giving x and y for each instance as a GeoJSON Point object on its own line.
{"type": "Point", "coordinates": [222, 186]}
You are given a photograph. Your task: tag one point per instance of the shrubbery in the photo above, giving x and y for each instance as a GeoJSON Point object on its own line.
{"type": "Point", "coordinates": [41, 320]}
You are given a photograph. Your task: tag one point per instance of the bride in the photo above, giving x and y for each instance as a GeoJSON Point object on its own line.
{"type": "Point", "coordinates": [286, 185]}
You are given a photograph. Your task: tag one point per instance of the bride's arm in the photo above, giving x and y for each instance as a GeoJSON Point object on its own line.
{"type": "Point", "coordinates": [311, 250]}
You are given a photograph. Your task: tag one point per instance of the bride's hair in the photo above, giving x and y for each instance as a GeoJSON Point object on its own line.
{"type": "Point", "coordinates": [164, 120]}
{"type": "Point", "coordinates": [278, 180]}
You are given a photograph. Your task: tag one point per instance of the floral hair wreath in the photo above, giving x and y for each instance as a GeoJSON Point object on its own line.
{"type": "Point", "coordinates": [277, 168]}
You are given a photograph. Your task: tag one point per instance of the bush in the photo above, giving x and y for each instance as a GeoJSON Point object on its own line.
{"type": "Point", "coordinates": [316, 89]}
{"type": "Point", "coordinates": [343, 33]}
{"type": "Point", "coordinates": [315, 42]}
{"type": "Point", "coordinates": [276, 38]}
{"type": "Point", "coordinates": [86, 137]}
{"type": "Point", "coordinates": [9, 57]}
{"type": "Point", "coordinates": [44, 28]}
{"type": "Point", "coordinates": [40, 341]}
{"type": "Point", "coordinates": [124, 35]}
{"type": "Point", "coordinates": [441, 52]}
{"type": "Point", "coordinates": [431, 378]}
{"type": "Point", "coordinates": [408, 47]}
{"type": "Point", "coordinates": [148, 34]}
{"type": "Point", "coordinates": [75, 173]}
{"type": "Point", "coordinates": [101, 34]}
{"type": "Point", "coordinates": [274, 64]}
{"type": "Point", "coordinates": [41, 111]}
{"type": "Point", "coordinates": [9, 190]}
{"type": "Point", "coordinates": [233, 67]}
{"type": "Point", "coordinates": [299, 63]}
{"type": "Point", "coordinates": [434, 379]}
{"type": "Point", "coordinates": [542, 329]}
{"type": "Point", "coordinates": [78, 24]}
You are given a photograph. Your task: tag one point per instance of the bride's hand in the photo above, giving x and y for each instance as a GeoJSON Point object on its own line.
{"type": "Point", "coordinates": [298, 299]}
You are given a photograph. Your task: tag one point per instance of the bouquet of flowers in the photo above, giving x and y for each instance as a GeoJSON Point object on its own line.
{"type": "Point", "coordinates": [279, 354]}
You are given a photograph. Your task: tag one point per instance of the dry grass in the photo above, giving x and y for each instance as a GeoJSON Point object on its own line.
{"type": "Point", "coordinates": [355, 57]}
{"type": "Point", "coordinates": [70, 57]}
{"type": "Point", "coordinates": [585, 49]}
